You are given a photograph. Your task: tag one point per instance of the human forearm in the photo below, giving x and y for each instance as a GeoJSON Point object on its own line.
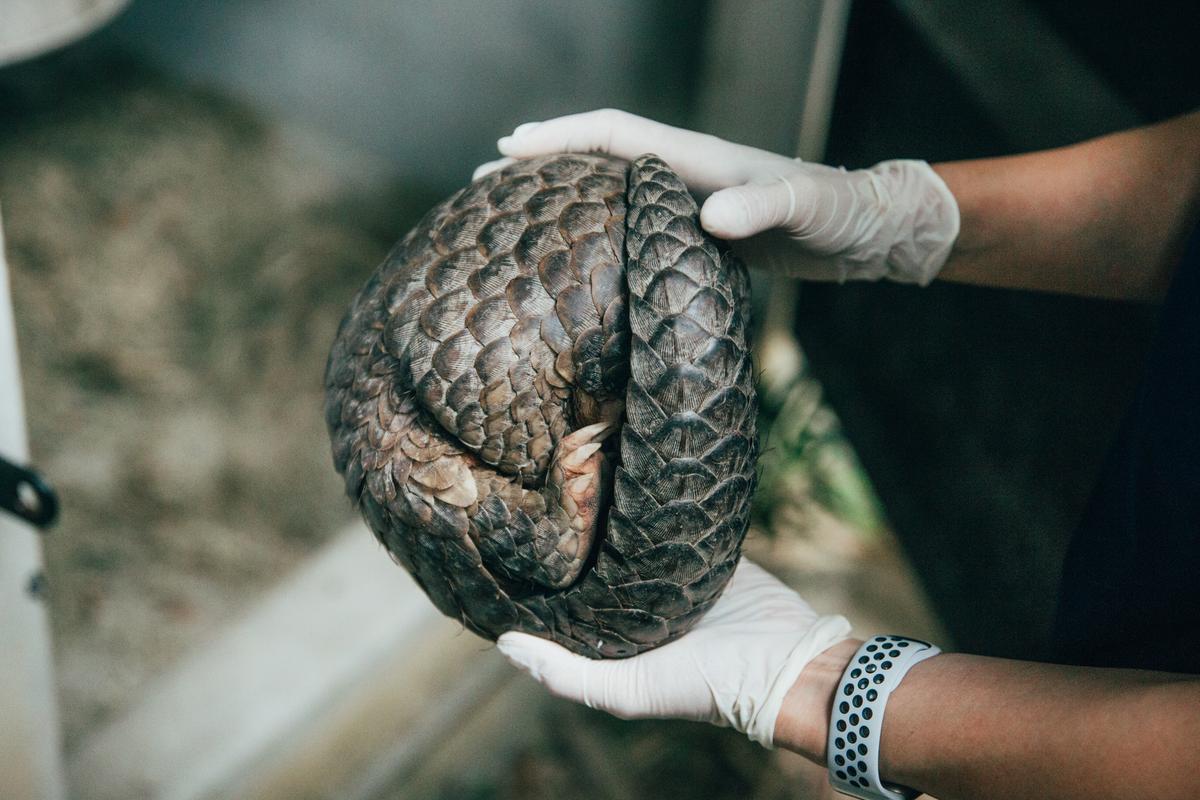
{"type": "Point", "coordinates": [1104, 218]}
{"type": "Point", "coordinates": [971, 727]}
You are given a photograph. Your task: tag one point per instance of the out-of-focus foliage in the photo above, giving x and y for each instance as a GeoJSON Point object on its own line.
{"type": "Point", "coordinates": [807, 460]}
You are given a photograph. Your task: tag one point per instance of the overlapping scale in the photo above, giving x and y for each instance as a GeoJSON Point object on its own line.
{"type": "Point", "coordinates": [555, 293]}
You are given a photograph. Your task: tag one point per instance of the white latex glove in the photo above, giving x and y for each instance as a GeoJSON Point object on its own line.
{"type": "Point", "coordinates": [895, 220]}
{"type": "Point", "coordinates": [733, 669]}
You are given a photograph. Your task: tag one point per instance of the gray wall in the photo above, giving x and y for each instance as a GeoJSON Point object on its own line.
{"type": "Point", "coordinates": [429, 85]}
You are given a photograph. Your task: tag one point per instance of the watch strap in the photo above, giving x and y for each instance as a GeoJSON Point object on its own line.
{"type": "Point", "coordinates": [857, 721]}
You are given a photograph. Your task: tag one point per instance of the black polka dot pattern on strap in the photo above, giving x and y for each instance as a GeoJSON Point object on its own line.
{"type": "Point", "coordinates": [853, 751]}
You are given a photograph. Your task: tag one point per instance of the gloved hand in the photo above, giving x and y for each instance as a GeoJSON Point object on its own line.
{"type": "Point", "coordinates": [733, 669]}
{"type": "Point", "coordinates": [895, 220]}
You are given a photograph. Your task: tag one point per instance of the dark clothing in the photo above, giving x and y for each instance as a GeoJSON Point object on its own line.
{"type": "Point", "coordinates": [1131, 583]}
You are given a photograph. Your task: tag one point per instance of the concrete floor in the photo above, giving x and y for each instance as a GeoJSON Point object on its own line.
{"type": "Point", "coordinates": [178, 269]}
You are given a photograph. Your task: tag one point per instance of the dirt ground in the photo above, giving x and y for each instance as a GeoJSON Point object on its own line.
{"type": "Point", "coordinates": [178, 271]}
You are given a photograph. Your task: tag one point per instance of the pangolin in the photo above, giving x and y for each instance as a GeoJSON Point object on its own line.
{"type": "Point", "coordinates": [543, 405]}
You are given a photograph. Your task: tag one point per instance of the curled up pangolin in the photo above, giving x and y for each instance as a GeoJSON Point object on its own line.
{"type": "Point", "coordinates": [543, 404]}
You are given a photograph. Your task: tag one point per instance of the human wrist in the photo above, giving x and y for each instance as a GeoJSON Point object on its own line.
{"type": "Point", "coordinates": [803, 722]}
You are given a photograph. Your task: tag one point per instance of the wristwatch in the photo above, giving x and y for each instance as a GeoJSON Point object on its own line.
{"type": "Point", "coordinates": [857, 720]}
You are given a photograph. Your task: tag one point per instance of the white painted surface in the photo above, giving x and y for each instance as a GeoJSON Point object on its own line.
{"type": "Point", "coordinates": [293, 693]}
{"type": "Point", "coordinates": [29, 741]}
{"type": "Point", "coordinates": [31, 27]}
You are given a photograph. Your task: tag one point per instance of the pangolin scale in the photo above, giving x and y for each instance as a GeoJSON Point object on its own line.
{"type": "Point", "coordinates": [543, 405]}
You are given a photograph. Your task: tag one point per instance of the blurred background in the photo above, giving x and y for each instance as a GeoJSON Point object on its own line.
{"type": "Point", "coordinates": [191, 195]}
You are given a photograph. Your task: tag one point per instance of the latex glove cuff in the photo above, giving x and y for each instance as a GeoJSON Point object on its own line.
{"type": "Point", "coordinates": [920, 223]}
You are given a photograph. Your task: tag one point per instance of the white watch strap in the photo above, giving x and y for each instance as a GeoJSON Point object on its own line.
{"type": "Point", "coordinates": [857, 721]}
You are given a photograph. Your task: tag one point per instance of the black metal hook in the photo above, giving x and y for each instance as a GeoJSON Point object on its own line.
{"type": "Point", "coordinates": [25, 493]}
